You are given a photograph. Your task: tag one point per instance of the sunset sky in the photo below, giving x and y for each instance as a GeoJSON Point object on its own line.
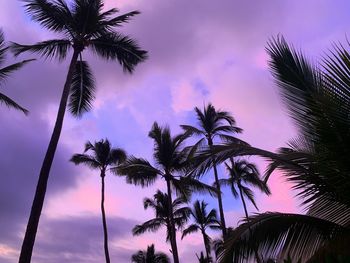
{"type": "Point", "coordinates": [200, 51]}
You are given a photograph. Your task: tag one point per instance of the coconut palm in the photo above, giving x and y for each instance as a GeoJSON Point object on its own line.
{"type": "Point", "coordinates": [202, 221]}
{"type": "Point", "coordinates": [316, 163]}
{"type": "Point", "coordinates": [149, 256]}
{"type": "Point", "coordinates": [160, 205]}
{"type": "Point", "coordinates": [83, 24]}
{"type": "Point", "coordinates": [170, 165]}
{"type": "Point", "coordinates": [243, 174]}
{"type": "Point", "coordinates": [5, 72]}
{"type": "Point", "coordinates": [102, 157]}
{"type": "Point", "coordinates": [214, 123]}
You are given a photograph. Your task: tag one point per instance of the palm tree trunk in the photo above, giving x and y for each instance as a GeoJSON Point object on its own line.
{"type": "Point", "coordinates": [207, 246]}
{"type": "Point", "coordinates": [172, 225]}
{"type": "Point", "coordinates": [105, 233]}
{"type": "Point", "coordinates": [38, 202]}
{"type": "Point", "coordinates": [257, 257]}
{"type": "Point", "coordinates": [218, 188]}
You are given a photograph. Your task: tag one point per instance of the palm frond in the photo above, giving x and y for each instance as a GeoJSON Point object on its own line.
{"type": "Point", "coordinates": [11, 103]}
{"type": "Point", "coordinates": [149, 226]}
{"type": "Point", "coordinates": [53, 15]}
{"type": "Point", "coordinates": [82, 91]}
{"type": "Point", "coordinates": [6, 71]}
{"type": "Point", "coordinates": [86, 159]}
{"type": "Point", "coordinates": [190, 230]}
{"type": "Point", "coordinates": [138, 171]}
{"type": "Point", "coordinates": [114, 46]}
{"type": "Point", "coordinates": [277, 234]}
{"type": "Point", "coordinates": [56, 48]}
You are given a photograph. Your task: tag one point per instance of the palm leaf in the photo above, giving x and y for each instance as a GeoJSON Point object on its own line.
{"type": "Point", "coordinates": [115, 46]}
{"type": "Point", "coordinates": [56, 48]}
{"type": "Point", "coordinates": [11, 103]}
{"type": "Point", "coordinates": [82, 92]}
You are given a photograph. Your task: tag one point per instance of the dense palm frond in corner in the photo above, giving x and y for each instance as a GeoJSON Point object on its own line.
{"type": "Point", "coordinates": [5, 73]}
{"type": "Point", "coordinates": [316, 163]}
{"type": "Point", "coordinates": [149, 256]}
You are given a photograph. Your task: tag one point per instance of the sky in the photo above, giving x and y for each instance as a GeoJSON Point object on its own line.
{"type": "Point", "coordinates": [200, 51]}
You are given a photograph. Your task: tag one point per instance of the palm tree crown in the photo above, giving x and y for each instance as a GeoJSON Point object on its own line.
{"type": "Point", "coordinates": [102, 156]}
{"type": "Point", "coordinates": [160, 205]}
{"type": "Point", "coordinates": [5, 72]}
{"type": "Point", "coordinates": [241, 175]}
{"type": "Point", "coordinates": [84, 25]}
{"type": "Point", "coordinates": [202, 221]}
{"type": "Point", "coordinates": [149, 256]}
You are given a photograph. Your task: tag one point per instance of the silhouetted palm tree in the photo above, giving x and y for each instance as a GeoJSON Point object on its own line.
{"type": "Point", "coordinates": [160, 205]}
{"type": "Point", "coordinates": [5, 72]}
{"type": "Point", "coordinates": [102, 158]}
{"type": "Point", "coordinates": [202, 221]}
{"type": "Point", "coordinates": [171, 161]}
{"type": "Point", "coordinates": [149, 256]}
{"type": "Point", "coordinates": [214, 123]}
{"type": "Point", "coordinates": [243, 174]}
{"type": "Point", "coordinates": [83, 25]}
{"type": "Point", "coordinates": [317, 163]}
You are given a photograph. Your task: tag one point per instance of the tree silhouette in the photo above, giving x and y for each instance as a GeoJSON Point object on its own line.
{"type": "Point", "coordinates": [102, 157]}
{"type": "Point", "coordinates": [84, 25]}
{"type": "Point", "coordinates": [149, 256]}
{"type": "Point", "coordinates": [214, 123]}
{"type": "Point", "coordinates": [316, 163]}
{"type": "Point", "coordinates": [170, 164]}
{"type": "Point", "coordinates": [202, 221]}
{"type": "Point", "coordinates": [160, 205]}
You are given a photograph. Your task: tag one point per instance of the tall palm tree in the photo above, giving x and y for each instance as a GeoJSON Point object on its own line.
{"type": "Point", "coordinates": [84, 25]}
{"type": "Point", "coordinates": [316, 163]}
{"type": "Point", "coordinates": [214, 123]}
{"type": "Point", "coordinates": [6, 71]}
{"type": "Point", "coordinates": [160, 205]}
{"type": "Point", "coordinates": [202, 221]}
{"type": "Point", "coordinates": [102, 157]}
{"type": "Point", "coordinates": [243, 174]}
{"type": "Point", "coordinates": [170, 163]}
{"type": "Point", "coordinates": [149, 256]}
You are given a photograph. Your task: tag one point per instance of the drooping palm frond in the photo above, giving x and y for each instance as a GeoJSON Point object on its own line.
{"type": "Point", "coordinates": [277, 234]}
{"type": "Point", "coordinates": [88, 160]}
{"type": "Point", "coordinates": [151, 225]}
{"type": "Point", "coordinates": [55, 48]}
{"type": "Point", "coordinates": [138, 171]}
{"type": "Point", "coordinates": [114, 46]}
{"type": "Point", "coordinates": [11, 103]}
{"type": "Point", "coordinates": [6, 71]}
{"type": "Point", "coordinates": [82, 91]}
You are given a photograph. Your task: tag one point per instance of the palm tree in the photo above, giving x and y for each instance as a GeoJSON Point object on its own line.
{"type": "Point", "coordinates": [5, 72]}
{"type": "Point", "coordinates": [316, 163]}
{"type": "Point", "coordinates": [102, 158]}
{"type": "Point", "coordinates": [202, 221]}
{"type": "Point", "coordinates": [83, 25]}
{"type": "Point", "coordinates": [171, 161]}
{"type": "Point", "coordinates": [149, 256]}
{"type": "Point", "coordinates": [160, 205]}
{"type": "Point", "coordinates": [214, 123]}
{"type": "Point", "coordinates": [241, 175]}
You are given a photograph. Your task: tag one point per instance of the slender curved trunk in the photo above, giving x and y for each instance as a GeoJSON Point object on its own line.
{"type": "Point", "coordinates": [172, 225]}
{"type": "Point", "coordinates": [218, 188]}
{"type": "Point", "coordinates": [38, 202]}
{"type": "Point", "coordinates": [207, 246]}
{"type": "Point", "coordinates": [257, 257]}
{"type": "Point", "coordinates": [104, 223]}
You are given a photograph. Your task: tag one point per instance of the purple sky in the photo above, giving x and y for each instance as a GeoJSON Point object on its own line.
{"type": "Point", "coordinates": [200, 51]}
